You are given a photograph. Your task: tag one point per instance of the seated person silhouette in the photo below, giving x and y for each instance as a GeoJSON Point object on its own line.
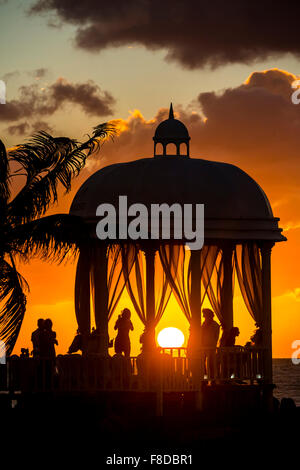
{"type": "Point", "coordinates": [230, 367]}
{"type": "Point", "coordinates": [257, 337]}
{"type": "Point", "coordinates": [229, 337]}
{"type": "Point", "coordinates": [124, 326]}
{"type": "Point", "coordinates": [76, 343]}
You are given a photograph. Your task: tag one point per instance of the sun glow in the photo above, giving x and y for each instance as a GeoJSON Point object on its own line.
{"type": "Point", "coordinates": [170, 338]}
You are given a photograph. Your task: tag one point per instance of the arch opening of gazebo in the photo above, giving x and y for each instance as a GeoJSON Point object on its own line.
{"type": "Point", "coordinates": [239, 233]}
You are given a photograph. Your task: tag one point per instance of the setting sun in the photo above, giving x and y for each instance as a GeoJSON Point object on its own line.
{"type": "Point", "coordinates": [170, 338]}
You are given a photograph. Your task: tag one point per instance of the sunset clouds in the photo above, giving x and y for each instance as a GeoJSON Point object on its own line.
{"type": "Point", "coordinates": [254, 125]}
{"type": "Point", "coordinates": [35, 101]}
{"type": "Point", "coordinates": [194, 33]}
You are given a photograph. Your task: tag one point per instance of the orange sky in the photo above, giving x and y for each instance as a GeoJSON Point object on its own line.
{"type": "Point", "coordinates": [273, 163]}
{"type": "Point", "coordinates": [77, 66]}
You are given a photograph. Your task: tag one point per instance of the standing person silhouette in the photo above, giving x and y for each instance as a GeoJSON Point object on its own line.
{"type": "Point", "coordinates": [123, 325]}
{"type": "Point", "coordinates": [210, 330]}
{"type": "Point", "coordinates": [49, 340]}
{"type": "Point", "coordinates": [36, 338]}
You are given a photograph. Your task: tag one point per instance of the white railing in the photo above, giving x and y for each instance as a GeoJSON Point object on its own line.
{"type": "Point", "coordinates": [166, 370]}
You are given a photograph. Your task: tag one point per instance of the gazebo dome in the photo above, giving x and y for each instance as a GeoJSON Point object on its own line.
{"type": "Point", "coordinates": [171, 131]}
{"type": "Point", "coordinates": [235, 206]}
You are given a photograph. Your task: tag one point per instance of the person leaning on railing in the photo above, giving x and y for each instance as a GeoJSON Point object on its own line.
{"type": "Point", "coordinates": [229, 364]}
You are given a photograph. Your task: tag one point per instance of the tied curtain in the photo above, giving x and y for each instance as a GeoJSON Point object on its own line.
{"type": "Point", "coordinates": [214, 283]}
{"type": "Point", "coordinates": [99, 273]}
{"type": "Point", "coordinates": [249, 273]}
{"type": "Point", "coordinates": [176, 261]}
{"type": "Point", "coordinates": [82, 291]}
{"type": "Point", "coordinates": [134, 268]}
{"type": "Point", "coordinates": [104, 270]}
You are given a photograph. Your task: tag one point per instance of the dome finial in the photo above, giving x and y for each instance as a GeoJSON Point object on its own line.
{"type": "Point", "coordinates": [171, 131]}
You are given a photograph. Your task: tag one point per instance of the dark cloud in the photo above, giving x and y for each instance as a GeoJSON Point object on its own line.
{"type": "Point", "coordinates": [254, 119]}
{"type": "Point", "coordinates": [241, 124]}
{"type": "Point", "coordinates": [23, 128]}
{"type": "Point", "coordinates": [19, 129]}
{"type": "Point", "coordinates": [194, 33]}
{"type": "Point", "coordinates": [41, 126]}
{"type": "Point", "coordinates": [34, 101]}
{"type": "Point", "coordinates": [39, 73]}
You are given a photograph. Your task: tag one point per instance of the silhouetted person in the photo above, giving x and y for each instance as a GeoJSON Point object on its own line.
{"type": "Point", "coordinates": [210, 329]}
{"type": "Point", "coordinates": [36, 338]}
{"type": "Point", "coordinates": [257, 338]}
{"type": "Point", "coordinates": [228, 337]}
{"type": "Point", "coordinates": [123, 325]}
{"type": "Point", "coordinates": [48, 340]}
{"type": "Point", "coordinates": [24, 353]}
{"type": "Point", "coordinates": [233, 357]}
{"type": "Point", "coordinates": [76, 343]}
{"type": "Point", "coordinates": [47, 346]}
{"type": "Point", "coordinates": [209, 335]}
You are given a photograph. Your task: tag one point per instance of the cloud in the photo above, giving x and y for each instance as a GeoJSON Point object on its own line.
{"type": "Point", "coordinates": [29, 128]}
{"type": "Point", "coordinates": [10, 75]}
{"type": "Point", "coordinates": [35, 102]}
{"type": "Point", "coordinates": [39, 73]}
{"type": "Point", "coordinates": [255, 118]}
{"type": "Point", "coordinates": [194, 33]}
{"type": "Point", "coordinates": [19, 129]}
{"type": "Point", "coordinates": [253, 123]}
{"type": "Point", "coordinates": [254, 126]}
{"type": "Point", "coordinates": [41, 126]}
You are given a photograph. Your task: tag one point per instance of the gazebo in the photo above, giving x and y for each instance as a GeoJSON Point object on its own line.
{"type": "Point", "coordinates": [239, 233]}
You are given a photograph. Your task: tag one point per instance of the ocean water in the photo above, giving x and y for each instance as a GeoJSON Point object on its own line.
{"type": "Point", "coordinates": [286, 377]}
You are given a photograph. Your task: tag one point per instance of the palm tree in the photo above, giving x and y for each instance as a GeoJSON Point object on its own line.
{"type": "Point", "coordinates": [46, 162]}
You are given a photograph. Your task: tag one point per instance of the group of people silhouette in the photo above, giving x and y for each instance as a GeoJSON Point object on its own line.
{"type": "Point", "coordinates": [205, 335]}
{"type": "Point", "coordinates": [44, 340]}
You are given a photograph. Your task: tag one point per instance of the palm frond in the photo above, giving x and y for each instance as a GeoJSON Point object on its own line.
{"type": "Point", "coordinates": [47, 162]}
{"type": "Point", "coordinates": [13, 304]}
{"type": "Point", "coordinates": [53, 238]}
{"type": "Point", "coordinates": [4, 173]}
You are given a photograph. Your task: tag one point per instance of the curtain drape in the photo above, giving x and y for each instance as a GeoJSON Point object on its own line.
{"type": "Point", "coordinates": [213, 281]}
{"type": "Point", "coordinates": [116, 280]}
{"type": "Point", "coordinates": [82, 291]}
{"type": "Point", "coordinates": [249, 272]}
{"type": "Point", "coordinates": [176, 261]}
{"type": "Point", "coordinates": [135, 280]}
{"type": "Point", "coordinates": [99, 274]}
{"type": "Point", "coordinates": [210, 255]}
